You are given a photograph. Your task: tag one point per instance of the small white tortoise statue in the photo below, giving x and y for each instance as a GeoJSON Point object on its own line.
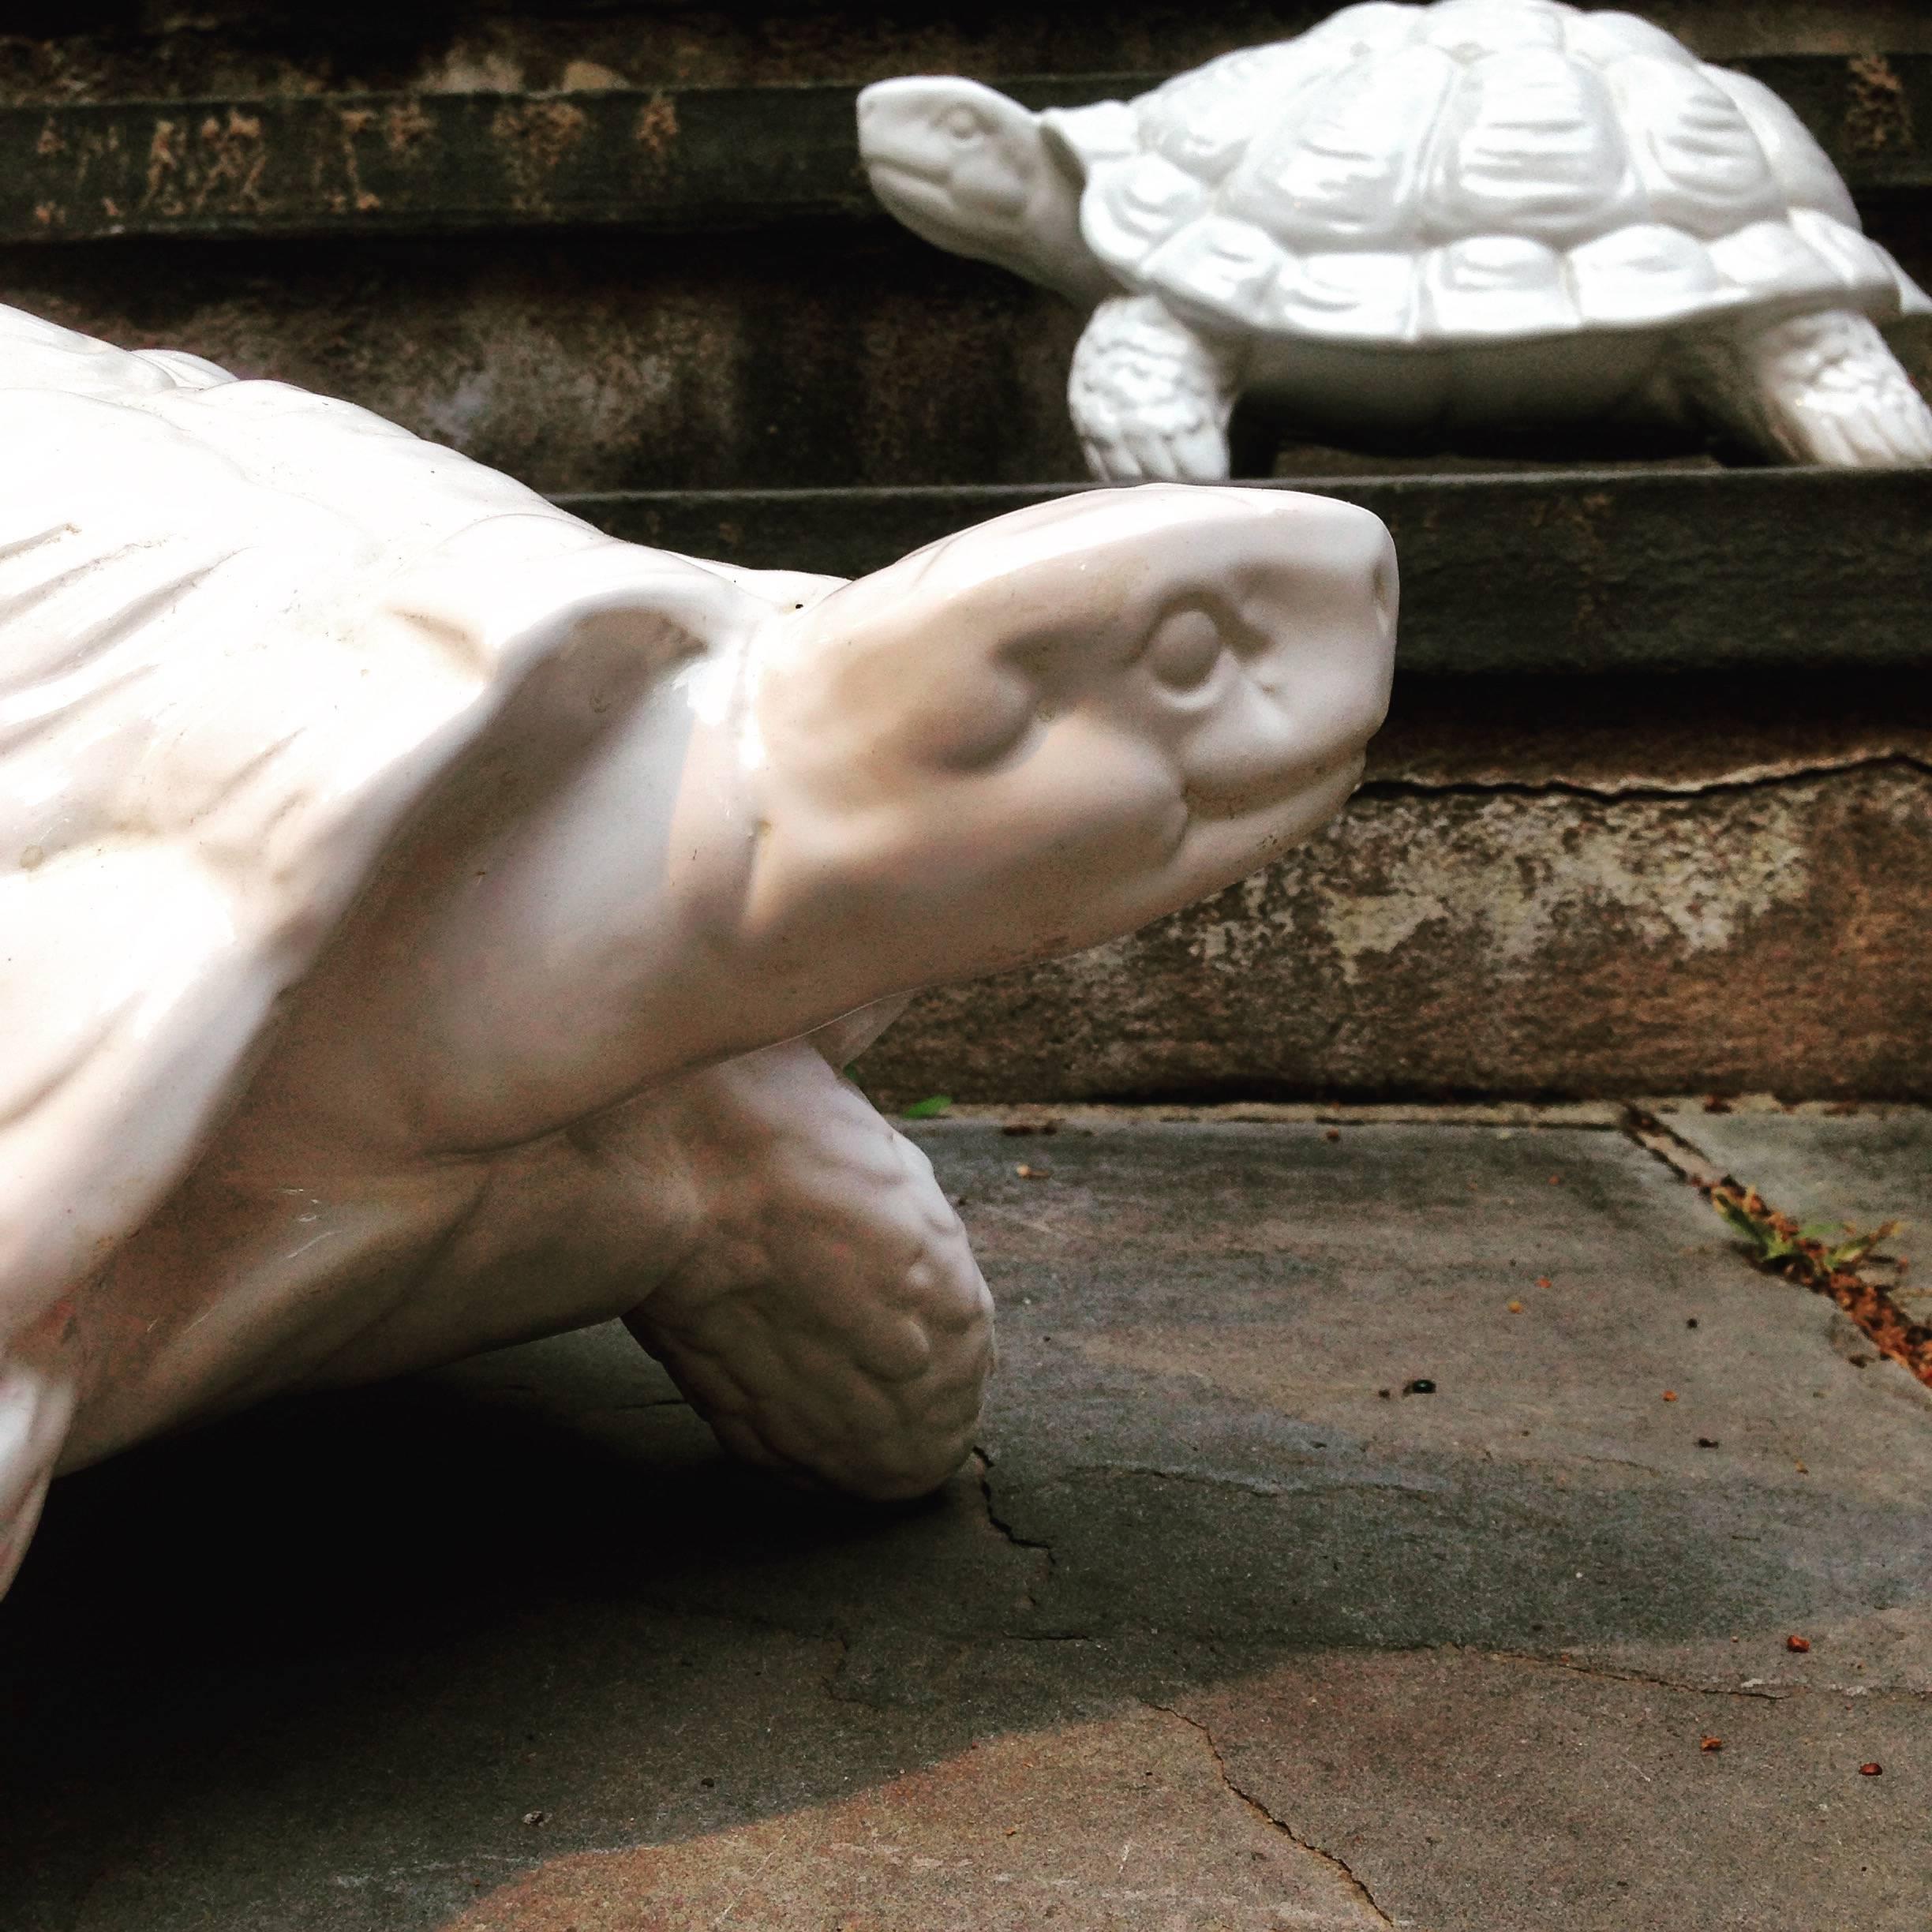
{"type": "Point", "coordinates": [1428, 220]}
{"type": "Point", "coordinates": [428, 923]}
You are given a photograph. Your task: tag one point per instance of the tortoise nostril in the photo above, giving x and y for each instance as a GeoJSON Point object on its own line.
{"type": "Point", "coordinates": [1385, 592]}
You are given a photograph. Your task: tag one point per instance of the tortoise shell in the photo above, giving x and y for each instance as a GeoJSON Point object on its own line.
{"type": "Point", "coordinates": [1471, 171]}
{"type": "Point", "coordinates": [222, 688]}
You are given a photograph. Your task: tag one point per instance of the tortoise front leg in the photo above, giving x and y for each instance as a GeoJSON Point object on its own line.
{"type": "Point", "coordinates": [1150, 399]}
{"type": "Point", "coordinates": [831, 1322]}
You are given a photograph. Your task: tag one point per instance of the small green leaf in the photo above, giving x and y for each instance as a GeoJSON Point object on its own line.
{"type": "Point", "coordinates": [931, 1108]}
{"type": "Point", "coordinates": [1849, 1254]}
{"type": "Point", "coordinates": [1753, 1231]}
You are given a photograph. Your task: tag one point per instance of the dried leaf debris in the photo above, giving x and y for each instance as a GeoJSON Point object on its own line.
{"type": "Point", "coordinates": [1829, 1259]}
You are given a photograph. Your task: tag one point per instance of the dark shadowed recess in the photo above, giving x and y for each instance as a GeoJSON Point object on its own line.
{"type": "Point", "coordinates": [381, 1598]}
{"type": "Point", "coordinates": [601, 360]}
{"type": "Point", "coordinates": [130, 46]}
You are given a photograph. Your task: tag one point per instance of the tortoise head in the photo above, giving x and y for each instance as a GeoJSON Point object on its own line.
{"type": "Point", "coordinates": [1045, 731]}
{"type": "Point", "coordinates": [970, 170]}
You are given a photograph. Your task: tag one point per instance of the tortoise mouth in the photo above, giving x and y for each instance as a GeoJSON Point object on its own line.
{"type": "Point", "coordinates": [895, 173]}
{"type": "Point", "coordinates": [916, 198]}
{"type": "Point", "coordinates": [894, 155]}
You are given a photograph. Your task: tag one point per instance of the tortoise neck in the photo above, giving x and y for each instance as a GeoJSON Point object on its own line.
{"type": "Point", "coordinates": [1048, 247]}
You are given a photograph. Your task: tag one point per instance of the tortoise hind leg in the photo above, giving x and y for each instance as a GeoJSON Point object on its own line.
{"type": "Point", "coordinates": [1816, 388]}
{"type": "Point", "coordinates": [1150, 399]}
{"type": "Point", "coordinates": [831, 1322]}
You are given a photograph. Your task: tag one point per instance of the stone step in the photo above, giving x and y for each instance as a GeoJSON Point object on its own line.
{"type": "Point", "coordinates": [661, 159]}
{"type": "Point", "coordinates": [1641, 569]}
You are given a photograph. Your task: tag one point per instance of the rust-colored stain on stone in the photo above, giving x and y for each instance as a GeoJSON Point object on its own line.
{"type": "Point", "coordinates": [657, 129]}
{"type": "Point", "coordinates": [535, 138]}
{"type": "Point", "coordinates": [219, 161]}
{"type": "Point", "coordinates": [228, 161]}
{"type": "Point", "coordinates": [405, 126]}
{"type": "Point", "coordinates": [1879, 120]}
{"type": "Point", "coordinates": [356, 123]}
{"type": "Point", "coordinates": [164, 165]}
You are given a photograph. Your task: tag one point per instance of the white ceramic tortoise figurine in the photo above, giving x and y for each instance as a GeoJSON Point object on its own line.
{"type": "Point", "coordinates": [430, 923]}
{"type": "Point", "coordinates": [1424, 221]}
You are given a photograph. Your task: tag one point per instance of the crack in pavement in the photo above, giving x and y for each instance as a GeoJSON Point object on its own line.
{"type": "Point", "coordinates": [829, 1681]}
{"type": "Point", "coordinates": [982, 1468]}
{"type": "Point", "coordinates": [1687, 1162]}
{"type": "Point", "coordinates": [1281, 1825]}
{"type": "Point", "coordinates": [1769, 1695]}
{"type": "Point", "coordinates": [1867, 1303]}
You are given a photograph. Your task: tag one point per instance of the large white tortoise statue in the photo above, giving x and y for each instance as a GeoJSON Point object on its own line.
{"type": "Point", "coordinates": [1426, 221]}
{"type": "Point", "coordinates": [427, 924]}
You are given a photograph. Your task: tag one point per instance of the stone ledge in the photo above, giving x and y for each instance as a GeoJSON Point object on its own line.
{"type": "Point", "coordinates": [660, 159]}
{"type": "Point", "coordinates": [1632, 569]}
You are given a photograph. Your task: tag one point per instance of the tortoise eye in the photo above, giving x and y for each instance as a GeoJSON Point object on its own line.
{"type": "Point", "coordinates": [962, 122]}
{"type": "Point", "coordinates": [1185, 649]}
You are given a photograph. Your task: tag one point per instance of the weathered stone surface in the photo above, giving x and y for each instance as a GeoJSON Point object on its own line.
{"type": "Point", "coordinates": [1198, 1325]}
{"type": "Point", "coordinates": [612, 360]}
{"type": "Point", "coordinates": [1122, 1822]}
{"type": "Point", "coordinates": [1868, 1164]}
{"type": "Point", "coordinates": [603, 361]}
{"type": "Point", "coordinates": [1506, 936]}
{"type": "Point", "coordinates": [1622, 587]}
{"type": "Point", "coordinates": [94, 48]}
{"type": "Point", "coordinates": [651, 158]}
{"type": "Point", "coordinates": [588, 360]}
{"type": "Point", "coordinates": [1221, 1635]}
{"type": "Point", "coordinates": [1547, 1810]}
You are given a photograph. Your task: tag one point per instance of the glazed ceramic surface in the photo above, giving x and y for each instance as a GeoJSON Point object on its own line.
{"type": "Point", "coordinates": [1415, 219]}
{"type": "Point", "coordinates": [430, 923]}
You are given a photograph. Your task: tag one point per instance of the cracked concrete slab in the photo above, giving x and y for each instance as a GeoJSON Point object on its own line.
{"type": "Point", "coordinates": [509, 1646]}
{"type": "Point", "coordinates": [1242, 1388]}
{"type": "Point", "coordinates": [1864, 1164]}
{"type": "Point", "coordinates": [1467, 1789]}
{"type": "Point", "coordinates": [1127, 1821]}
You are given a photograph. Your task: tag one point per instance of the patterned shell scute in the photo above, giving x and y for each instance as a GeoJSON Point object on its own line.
{"type": "Point", "coordinates": [1527, 145]}
{"type": "Point", "coordinates": [1471, 171]}
{"type": "Point", "coordinates": [243, 630]}
{"type": "Point", "coordinates": [1345, 171]}
{"type": "Point", "coordinates": [1702, 169]}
